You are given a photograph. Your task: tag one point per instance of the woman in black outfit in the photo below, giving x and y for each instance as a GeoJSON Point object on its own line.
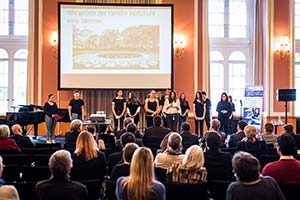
{"type": "Point", "coordinates": [151, 108]}
{"type": "Point", "coordinates": [185, 107]}
{"type": "Point", "coordinates": [118, 110]}
{"type": "Point", "coordinates": [50, 109]}
{"type": "Point", "coordinates": [133, 107]}
{"type": "Point", "coordinates": [199, 113]}
{"type": "Point", "coordinates": [224, 112]}
{"type": "Point", "coordinates": [231, 114]}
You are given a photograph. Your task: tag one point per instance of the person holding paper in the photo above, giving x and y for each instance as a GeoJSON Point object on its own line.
{"type": "Point", "coordinates": [50, 109]}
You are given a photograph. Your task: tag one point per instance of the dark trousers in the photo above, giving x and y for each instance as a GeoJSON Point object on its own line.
{"type": "Point", "coordinates": [172, 121]}
{"type": "Point", "coordinates": [197, 122]}
{"type": "Point", "coordinates": [136, 119]}
{"type": "Point", "coordinates": [182, 119]}
{"type": "Point", "coordinates": [207, 121]}
{"type": "Point", "coordinates": [118, 123]}
{"type": "Point", "coordinates": [149, 121]}
{"type": "Point", "coordinates": [230, 129]}
{"type": "Point", "coordinates": [224, 119]}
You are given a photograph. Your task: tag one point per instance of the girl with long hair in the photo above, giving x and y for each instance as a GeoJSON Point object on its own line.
{"type": "Point", "coordinates": [141, 183]}
{"type": "Point", "coordinates": [184, 107]}
{"type": "Point", "coordinates": [118, 110]}
{"type": "Point", "coordinates": [50, 109]}
{"type": "Point", "coordinates": [151, 108]}
{"type": "Point", "coordinates": [133, 107]}
{"type": "Point", "coordinates": [172, 110]}
{"type": "Point", "coordinates": [199, 113]}
{"type": "Point", "coordinates": [224, 112]}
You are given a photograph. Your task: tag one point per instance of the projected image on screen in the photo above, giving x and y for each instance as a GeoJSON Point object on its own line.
{"type": "Point", "coordinates": [115, 46]}
{"type": "Point", "coordinates": [130, 49]}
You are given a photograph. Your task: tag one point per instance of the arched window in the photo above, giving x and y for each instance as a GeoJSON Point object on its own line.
{"type": "Point", "coordinates": [297, 56]}
{"type": "Point", "coordinates": [20, 71]}
{"type": "Point", "coordinates": [3, 80]}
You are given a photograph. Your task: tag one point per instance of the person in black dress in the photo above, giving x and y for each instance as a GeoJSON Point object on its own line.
{"type": "Point", "coordinates": [151, 108]}
{"type": "Point", "coordinates": [50, 110]}
{"type": "Point", "coordinates": [231, 114]}
{"type": "Point", "coordinates": [133, 107]}
{"type": "Point", "coordinates": [76, 107]}
{"type": "Point", "coordinates": [118, 110]}
{"type": "Point", "coordinates": [208, 109]}
{"type": "Point", "coordinates": [199, 113]}
{"type": "Point", "coordinates": [224, 111]}
{"type": "Point", "coordinates": [185, 107]}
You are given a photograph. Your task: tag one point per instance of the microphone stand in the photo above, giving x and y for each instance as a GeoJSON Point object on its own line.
{"type": "Point", "coordinates": [241, 109]}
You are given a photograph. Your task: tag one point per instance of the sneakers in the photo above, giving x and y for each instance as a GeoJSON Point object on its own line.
{"type": "Point", "coordinates": [48, 142]}
{"type": "Point", "coordinates": [52, 141]}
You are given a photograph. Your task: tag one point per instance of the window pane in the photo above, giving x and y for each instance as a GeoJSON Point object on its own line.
{"type": "Point", "coordinates": [21, 17]}
{"type": "Point", "coordinates": [216, 18]}
{"type": "Point", "coordinates": [216, 84]}
{"type": "Point", "coordinates": [20, 71]}
{"type": "Point", "coordinates": [216, 56]}
{"type": "Point", "coordinates": [3, 85]}
{"type": "Point", "coordinates": [297, 19]}
{"type": "Point", "coordinates": [3, 54]}
{"type": "Point", "coordinates": [237, 56]}
{"type": "Point", "coordinates": [4, 17]}
{"type": "Point", "coordinates": [237, 18]}
{"type": "Point", "coordinates": [21, 54]}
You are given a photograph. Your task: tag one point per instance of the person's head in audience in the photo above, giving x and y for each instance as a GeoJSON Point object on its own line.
{"type": "Point", "coordinates": [8, 192]}
{"type": "Point", "coordinates": [16, 129]}
{"type": "Point", "coordinates": [213, 140]}
{"type": "Point", "coordinates": [245, 167]}
{"type": "Point", "coordinates": [129, 149]}
{"type": "Point", "coordinates": [4, 131]}
{"type": "Point", "coordinates": [269, 127]}
{"type": "Point", "coordinates": [92, 130]}
{"type": "Point", "coordinates": [250, 132]}
{"type": "Point", "coordinates": [288, 128]}
{"type": "Point", "coordinates": [186, 127]}
{"type": "Point", "coordinates": [241, 125]}
{"type": "Point", "coordinates": [127, 120]}
{"type": "Point", "coordinates": [131, 128]}
{"type": "Point", "coordinates": [141, 177]}
{"type": "Point", "coordinates": [215, 125]}
{"type": "Point", "coordinates": [127, 138]}
{"type": "Point", "coordinates": [174, 142]}
{"type": "Point", "coordinates": [76, 94]}
{"type": "Point", "coordinates": [107, 129]}
{"type": "Point", "coordinates": [60, 164]}
{"type": "Point", "coordinates": [76, 125]}
{"type": "Point", "coordinates": [157, 121]}
{"type": "Point", "coordinates": [86, 146]}
{"type": "Point", "coordinates": [286, 145]}
{"type": "Point", "coordinates": [194, 158]}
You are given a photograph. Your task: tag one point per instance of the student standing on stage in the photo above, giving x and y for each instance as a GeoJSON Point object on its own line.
{"type": "Point", "coordinates": [133, 107]}
{"type": "Point", "coordinates": [199, 113]}
{"type": "Point", "coordinates": [224, 111]}
{"type": "Point", "coordinates": [231, 114]}
{"type": "Point", "coordinates": [50, 109]}
{"type": "Point", "coordinates": [76, 107]}
{"type": "Point", "coordinates": [118, 110]}
{"type": "Point", "coordinates": [185, 107]}
{"type": "Point", "coordinates": [208, 109]}
{"type": "Point", "coordinates": [172, 110]}
{"type": "Point", "coordinates": [151, 108]}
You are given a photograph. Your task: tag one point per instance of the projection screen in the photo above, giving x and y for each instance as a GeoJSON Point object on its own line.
{"type": "Point", "coordinates": [115, 46]}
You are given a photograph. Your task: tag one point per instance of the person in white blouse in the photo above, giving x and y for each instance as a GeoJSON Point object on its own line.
{"type": "Point", "coordinates": [172, 110]}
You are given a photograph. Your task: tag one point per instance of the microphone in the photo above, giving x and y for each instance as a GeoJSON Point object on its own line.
{"type": "Point", "coordinates": [241, 102]}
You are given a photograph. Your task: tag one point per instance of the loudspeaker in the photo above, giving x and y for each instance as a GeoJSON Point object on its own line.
{"type": "Point", "coordinates": [286, 94]}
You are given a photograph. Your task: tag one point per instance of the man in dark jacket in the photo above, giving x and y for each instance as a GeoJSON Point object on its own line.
{"type": "Point", "coordinates": [235, 138]}
{"type": "Point", "coordinates": [22, 141]}
{"type": "Point", "coordinates": [188, 138]}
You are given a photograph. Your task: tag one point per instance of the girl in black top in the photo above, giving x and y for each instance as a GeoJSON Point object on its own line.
{"type": "Point", "coordinates": [133, 107]}
{"type": "Point", "coordinates": [224, 111]}
{"type": "Point", "coordinates": [50, 109]}
{"type": "Point", "coordinates": [151, 107]}
{"type": "Point", "coordinates": [199, 113]}
{"type": "Point", "coordinates": [231, 114]}
{"type": "Point", "coordinates": [185, 107]}
{"type": "Point", "coordinates": [118, 110]}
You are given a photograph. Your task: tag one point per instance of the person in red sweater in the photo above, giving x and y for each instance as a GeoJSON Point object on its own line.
{"type": "Point", "coordinates": [287, 169]}
{"type": "Point", "coordinates": [5, 142]}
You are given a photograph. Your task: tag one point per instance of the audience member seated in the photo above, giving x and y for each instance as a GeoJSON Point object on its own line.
{"type": "Point", "coordinates": [191, 170]}
{"type": "Point", "coordinates": [22, 141]}
{"type": "Point", "coordinates": [217, 163]}
{"type": "Point", "coordinates": [92, 130]}
{"type": "Point", "coordinates": [155, 134]}
{"type": "Point", "coordinates": [123, 169]}
{"type": "Point", "coordinates": [188, 138]}
{"type": "Point", "coordinates": [89, 162]}
{"type": "Point", "coordinates": [237, 137]}
{"type": "Point", "coordinates": [133, 129]}
{"type": "Point", "coordinates": [164, 144]}
{"type": "Point", "coordinates": [127, 120]}
{"type": "Point", "coordinates": [171, 154]}
{"type": "Point", "coordinates": [215, 125]}
{"type": "Point", "coordinates": [72, 135]}
{"type": "Point", "coordinates": [250, 184]}
{"type": "Point", "coordinates": [5, 142]}
{"type": "Point", "coordinates": [251, 144]}
{"type": "Point", "coordinates": [115, 158]}
{"type": "Point", "coordinates": [119, 146]}
{"type": "Point", "coordinates": [287, 169]}
{"type": "Point", "coordinates": [60, 186]}
{"type": "Point", "coordinates": [141, 183]}
{"type": "Point", "coordinates": [2, 182]}
{"type": "Point", "coordinates": [8, 192]}
{"type": "Point", "coordinates": [268, 136]}
{"type": "Point", "coordinates": [108, 137]}
{"type": "Point", "coordinates": [288, 128]}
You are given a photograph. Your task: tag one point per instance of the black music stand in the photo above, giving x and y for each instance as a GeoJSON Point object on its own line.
{"type": "Point", "coordinates": [286, 95]}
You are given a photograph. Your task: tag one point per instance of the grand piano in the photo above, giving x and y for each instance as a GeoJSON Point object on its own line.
{"type": "Point", "coordinates": [32, 114]}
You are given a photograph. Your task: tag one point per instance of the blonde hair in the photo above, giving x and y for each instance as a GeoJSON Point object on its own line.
{"type": "Point", "coordinates": [86, 145]}
{"type": "Point", "coordinates": [141, 176]}
{"type": "Point", "coordinates": [194, 158]}
{"type": "Point", "coordinates": [9, 192]}
{"type": "Point", "coordinates": [101, 144]}
{"type": "Point", "coordinates": [4, 131]}
{"type": "Point", "coordinates": [250, 131]}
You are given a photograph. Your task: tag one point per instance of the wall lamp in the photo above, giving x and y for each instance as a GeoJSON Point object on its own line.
{"type": "Point", "coordinates": [283, 46]}
{"type": "Point", "coordinates": [54, 40]}
{"type": "Point", "coordinates": [179, 44]}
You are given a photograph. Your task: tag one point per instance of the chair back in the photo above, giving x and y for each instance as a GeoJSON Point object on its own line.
{"type": "Point", "coordinates": [186, 191]}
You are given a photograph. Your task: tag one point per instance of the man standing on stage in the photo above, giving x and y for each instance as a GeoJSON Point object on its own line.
{"type": "Point", "coordinates": [76, 107]}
